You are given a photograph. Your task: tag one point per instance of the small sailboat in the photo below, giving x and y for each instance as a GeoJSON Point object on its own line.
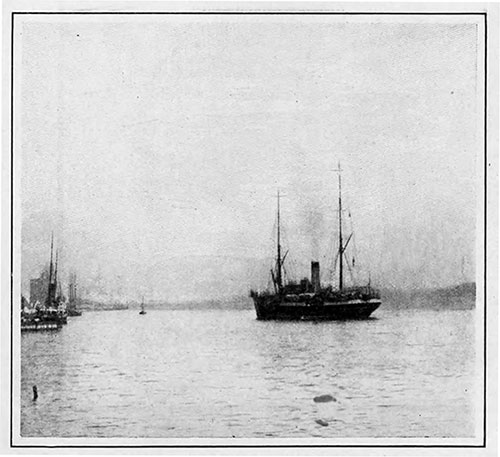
{"type": "Point", "coordinates": [142, 311]}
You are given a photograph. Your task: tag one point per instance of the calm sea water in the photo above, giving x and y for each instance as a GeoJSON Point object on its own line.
{"type": "Point", "coordinates": [222, 373]}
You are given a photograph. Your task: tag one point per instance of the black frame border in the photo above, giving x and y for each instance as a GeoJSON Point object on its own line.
{"type": "Point", "coordinates": [254, 13]}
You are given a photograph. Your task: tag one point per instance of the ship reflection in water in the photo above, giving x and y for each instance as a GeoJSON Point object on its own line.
{"type": "Point", "coordinates": [221, 373]}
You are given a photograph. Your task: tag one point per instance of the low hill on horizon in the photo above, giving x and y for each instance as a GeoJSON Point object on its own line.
{"type": "Point", "coordinates": [461, 296]}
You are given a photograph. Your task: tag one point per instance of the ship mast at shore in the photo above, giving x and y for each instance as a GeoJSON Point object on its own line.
{"type": "Point", "coordinates": [51, 291]}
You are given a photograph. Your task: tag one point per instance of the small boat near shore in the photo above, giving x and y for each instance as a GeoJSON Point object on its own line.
{"type": "Point", "coordinates": [142, 311]}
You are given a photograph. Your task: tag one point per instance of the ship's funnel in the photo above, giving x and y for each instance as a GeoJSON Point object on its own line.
{"type": "Point", "coordinates": [315, 276]}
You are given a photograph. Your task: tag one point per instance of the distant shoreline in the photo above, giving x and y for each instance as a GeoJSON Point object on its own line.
{"type": "Point", "coordinates": [461, 296]}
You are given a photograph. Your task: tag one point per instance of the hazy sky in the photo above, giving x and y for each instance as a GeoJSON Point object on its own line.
{"type": "Point", "coordinates": [153, 148]}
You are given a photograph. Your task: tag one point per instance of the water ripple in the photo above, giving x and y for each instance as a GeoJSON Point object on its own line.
{"type": "Point", "coordinates": [218, 374]}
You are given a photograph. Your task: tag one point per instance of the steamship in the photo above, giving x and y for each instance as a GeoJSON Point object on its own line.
{"type": "Point", "coordinates": [52, 314]}
{"type": "Point", "coordinates": [308, 299]}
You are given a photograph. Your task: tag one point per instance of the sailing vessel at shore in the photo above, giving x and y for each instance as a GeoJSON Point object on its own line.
{"type": "Point", "coordinates": [52, 314]}
{"type": "Point", "coordinates": [308, 299]}
{"type": "Point", "coordinates": [72, 307]}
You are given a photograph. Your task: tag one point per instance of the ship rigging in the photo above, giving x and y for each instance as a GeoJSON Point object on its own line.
{"type": "Point", "coordinates": [308, 299]}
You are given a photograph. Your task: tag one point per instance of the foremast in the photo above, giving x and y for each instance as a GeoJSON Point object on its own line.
{"type": "Point", "coordinates": [51, 292]}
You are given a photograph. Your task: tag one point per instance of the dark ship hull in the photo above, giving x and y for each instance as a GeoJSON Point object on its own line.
{"type": "Point", "coordinates": [279, 307]}
{"type": "Point", "coordinates": [50, 319]}
{"type": "Point", "coordinates": [37, 326]}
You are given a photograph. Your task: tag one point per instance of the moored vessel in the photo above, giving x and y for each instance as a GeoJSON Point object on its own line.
{"type": "Point", "coordinates": [72, 308]}
{"type": "Point", "coordinates": [52, 314]}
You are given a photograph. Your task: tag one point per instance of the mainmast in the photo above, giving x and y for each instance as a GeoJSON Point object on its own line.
{"type": "Point", "coordinates": [279, 279]}
{"type": "Point", "coordinates": [55, 270]}
{"type": "Point", "coordinates": [49, 291]}
{"type": "Point", "coordinates": [340, 254]}
{"type": "Point", "coordinates": [51, 249]}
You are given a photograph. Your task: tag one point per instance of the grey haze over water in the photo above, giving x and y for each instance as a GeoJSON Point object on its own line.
{"type": "Point", "coordinates": [153, 149]}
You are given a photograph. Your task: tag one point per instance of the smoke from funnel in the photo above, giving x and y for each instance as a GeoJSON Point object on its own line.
{"type": "Point", "coordinates": [315, 223]}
